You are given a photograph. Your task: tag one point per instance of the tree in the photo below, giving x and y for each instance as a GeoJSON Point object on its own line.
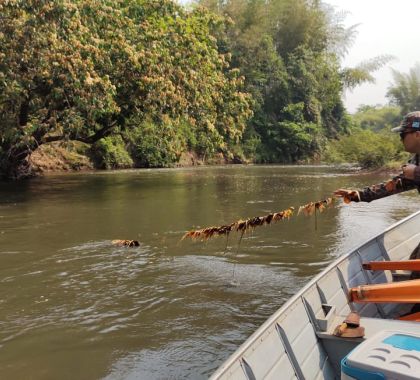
{"type": "Point", "coordinates": [85, 69]}
{"type": "Point", "coordinates": [288, 51]}
{"type": "Point", "coordinates": [405, 91]}
{"type": "Point", "coordinates": [51, 83]}
{"type": "Point", "coordinates": [362, 73]}
{"type": "Point", "coordinates": [377, 118]}
{"type": "Point", "coordinates": [370, 149]}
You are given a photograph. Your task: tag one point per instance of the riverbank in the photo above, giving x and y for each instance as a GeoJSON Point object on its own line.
{"type": "Point", "coordinates": [73, 157]}
{"type": "Point", "coordinates": [57, 157]}
{"type": "Point", "coordinates": [60, 157]}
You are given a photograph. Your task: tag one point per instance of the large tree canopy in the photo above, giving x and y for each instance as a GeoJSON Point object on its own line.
{"type": "Point", "coordinates": [146, 80]}
{"type": "Point", "coordinates": [286, 50]}
{"type": "Point", "coordinates": [289, 52]}
{"type": "Point", "coordinates": [82, 69]}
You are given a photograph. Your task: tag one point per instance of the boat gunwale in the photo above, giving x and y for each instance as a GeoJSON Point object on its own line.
{"type": "Point", "coordinates": [283, 309]}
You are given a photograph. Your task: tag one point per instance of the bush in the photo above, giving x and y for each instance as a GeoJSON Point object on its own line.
{"type": "Point", "coordinates": [367, 148]}
{"type": "Point", "coordinates": [155, 145]}
{"type": "Point", "coordinates": [110, 153]}
{"type": "Point", "coordinates": [377, 118]}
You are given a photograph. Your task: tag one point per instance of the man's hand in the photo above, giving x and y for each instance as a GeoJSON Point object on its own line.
{"type": "Point", "coordinates": [348, 195]}
{"type": "Point", "coordinates": [408, 171]}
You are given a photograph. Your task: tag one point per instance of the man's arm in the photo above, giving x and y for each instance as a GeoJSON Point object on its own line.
{"type": "Point", "coordinates": [397, 185]}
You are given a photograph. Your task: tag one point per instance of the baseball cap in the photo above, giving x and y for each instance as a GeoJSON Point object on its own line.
{"type": "Point", "coordinates": [410, 121]}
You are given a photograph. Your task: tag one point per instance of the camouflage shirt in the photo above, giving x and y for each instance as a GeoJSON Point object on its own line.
{"type": "Point", "coordinates": [397, 185]}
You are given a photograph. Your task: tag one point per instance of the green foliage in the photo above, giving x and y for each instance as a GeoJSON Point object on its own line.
{"type": "Point", "coordinates": [295, 141]}
{"type": "Point", "coordinates": [368, 141]}
{"type": "Point", "coordinates": [154, 145]}
{"type": "Point", "coordinates": [292, 139]}
{"type": "Point", "coordinates": [367, 148]}
{"type": "Point", "coordinates": [251, 146]}
{"type": "Point", "coordinates": [362, 73]}
{"type": "Point", "coordinates": [377, 118]}
{"type": "Point", "coordinates": [289, 53]}
{"type": "Point", "coordinates": [405, 91]}
{"type": "Point", "coordinates": [110, 153]}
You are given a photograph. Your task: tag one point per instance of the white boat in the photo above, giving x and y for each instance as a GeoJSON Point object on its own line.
{"type": "Point", "coordinates": [297, 341]}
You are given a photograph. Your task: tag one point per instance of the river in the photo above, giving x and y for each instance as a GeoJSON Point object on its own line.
{"type": "Point", "coordinates": [73, 306]}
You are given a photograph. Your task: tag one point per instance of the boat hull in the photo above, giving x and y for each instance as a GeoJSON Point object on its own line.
{"type": "Point", "coordinates": [296, 342]}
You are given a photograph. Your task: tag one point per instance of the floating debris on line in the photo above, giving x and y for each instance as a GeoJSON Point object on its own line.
{"type": "Point", "coordinates": [251, 223]}
{"type": "Point", "coordinates": [311, 207]}
{"type": "Point", "coordinates": [240, 225]}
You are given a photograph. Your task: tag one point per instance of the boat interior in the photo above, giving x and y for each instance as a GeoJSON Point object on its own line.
{"type": "Point", "coordinates": [299, 341]}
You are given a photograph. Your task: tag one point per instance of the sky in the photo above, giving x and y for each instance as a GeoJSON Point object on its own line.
{"type": "Point", "coordinates": [384, 27]}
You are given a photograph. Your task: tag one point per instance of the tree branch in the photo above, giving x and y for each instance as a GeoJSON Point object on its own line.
{"type": "Point", "coordinates": [88, 140]}
{"type": "Point", "coordinates": [49, 139]}
{"type": "Point", "coordinates": [97, 135]}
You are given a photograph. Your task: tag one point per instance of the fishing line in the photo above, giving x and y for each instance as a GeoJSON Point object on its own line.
{"type": "Point", "coordinates": [227, 241]}
{"type": "Point", "coordinates": [237, 253]}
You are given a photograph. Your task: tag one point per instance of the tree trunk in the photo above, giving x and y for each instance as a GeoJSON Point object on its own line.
{"type": "Point", "coordinates": [14, 164]}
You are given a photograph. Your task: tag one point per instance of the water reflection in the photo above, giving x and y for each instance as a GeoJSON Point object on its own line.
{"type": "Point", "coordinates": [71, 302]}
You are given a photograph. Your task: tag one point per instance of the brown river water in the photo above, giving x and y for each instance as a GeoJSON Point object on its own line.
{"type": "Point", "coordinates": [73, 306]}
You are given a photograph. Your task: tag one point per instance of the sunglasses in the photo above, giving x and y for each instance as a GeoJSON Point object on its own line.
{"type": "Point", "coordinates": [403, 134]}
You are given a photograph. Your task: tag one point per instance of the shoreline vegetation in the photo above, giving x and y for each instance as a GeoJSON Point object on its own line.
{"type": "Point", "coordinates": [368, 148]}
{"type": "Point", "coordinates": [149, 83]}
{"type": "Point", "coordinates": [54, 159]}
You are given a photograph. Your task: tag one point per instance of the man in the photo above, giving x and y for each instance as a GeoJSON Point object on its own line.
{"type": "Point", "coordinates": [409, 179]}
